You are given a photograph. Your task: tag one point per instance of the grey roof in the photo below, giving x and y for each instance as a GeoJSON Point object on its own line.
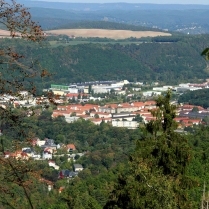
{"type": "Point", "coordinates": [78, 166]}
{"type": "Point", "coordinates": [193, 114]}
{"type": "Point", "coordinates": [49, 142]}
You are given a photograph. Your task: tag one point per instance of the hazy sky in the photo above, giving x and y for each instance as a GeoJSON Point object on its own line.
{"type": "Point", "coordinates": [137, 1]}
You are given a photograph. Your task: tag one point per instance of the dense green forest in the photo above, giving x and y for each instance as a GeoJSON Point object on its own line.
{"type": "Point", "coordinates": [166, 62]}
{"type": "Point", "coordinates": [105, 25]}
{"type": "Point", "coordinates": [198, 97]}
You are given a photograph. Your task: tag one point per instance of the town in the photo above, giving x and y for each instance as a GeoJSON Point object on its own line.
{"type": "Point", "coordinates": [80, 101]}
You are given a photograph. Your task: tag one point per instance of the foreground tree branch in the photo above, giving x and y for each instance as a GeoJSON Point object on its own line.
{"type": "Point", "coordinates": [15, 75]}
{"type": "Point", "coordinates": [17, 20]}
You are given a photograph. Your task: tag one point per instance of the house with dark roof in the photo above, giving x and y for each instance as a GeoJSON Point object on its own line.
{"type": "Point", "coordinates": [49, 143]}
{"type": "Point", "coordinates": [67, 174]}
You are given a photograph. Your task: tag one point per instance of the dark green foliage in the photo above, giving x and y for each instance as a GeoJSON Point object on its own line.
{"type": "Point", "coordinates": [198, 97]}
{"type": "Point", "coordinates": [157, 176]}
{"type": "Point", "coordinates": [105, 25]}
{"type": "Point", "coordinates": [172, 62]}
{"type": "Point", "coordinates": [138, 118]}
{"type": "Point", "coordinates": [167, 39]}
{"type": "Point", "coordinates": [205, 53]}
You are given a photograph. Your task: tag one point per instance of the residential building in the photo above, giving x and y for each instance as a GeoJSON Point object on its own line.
{"type": "Point", "coordinates": [77, 167]}
{"type": "Point", "coordinates": [125, 124]}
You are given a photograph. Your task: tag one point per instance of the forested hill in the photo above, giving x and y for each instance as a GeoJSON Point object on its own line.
{"type": "Point", "coordinates": [172, 62]}
{"type": "Point", "coordinates": [184, 18]}
{"type": "Point", "coordinates": [104, 25]}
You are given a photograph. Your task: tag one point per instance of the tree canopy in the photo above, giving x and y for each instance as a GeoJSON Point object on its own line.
{"type": "Point", "coordinates": [157, 175]}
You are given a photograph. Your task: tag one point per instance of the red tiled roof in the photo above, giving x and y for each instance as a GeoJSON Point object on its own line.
{"type": "Point", "coordinates": [177, 119]}
{"type": "Point", "coordinates": [96, 119]}
{"type": "Point", "coordinates": [186, 106]}
{"type": "Point", "coordinates": [71, 146]}
{"type": "Point", "coordinates": [72, 95]}
{"type": "Point", "coordinates": [113, 106]}
{"type": "Point", "coordinates": [150, 118]}
{"type": "Point", "coordinates": [139, 104]}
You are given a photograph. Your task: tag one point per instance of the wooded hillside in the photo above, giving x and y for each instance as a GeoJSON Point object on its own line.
{"type": "Point", "coordinates": [168, 62]}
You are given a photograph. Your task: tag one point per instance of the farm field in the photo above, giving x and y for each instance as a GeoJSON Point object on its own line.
{"type": "Point", "coordinates": [4, 33]}
{"type": "Point", "coordinates": [103, 33]}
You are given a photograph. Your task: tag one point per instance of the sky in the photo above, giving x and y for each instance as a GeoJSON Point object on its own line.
{"type": "Point", "coordinates": [205, 2]}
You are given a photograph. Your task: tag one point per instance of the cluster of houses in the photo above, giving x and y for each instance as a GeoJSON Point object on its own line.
{"type": "Point", "coordinates": [120, 115]}
{"type": "Point", "coordinates": [124, 114]}
{"type": "Point", "coordinates": [49, 150]}
{"type": "Point", "coordinates": [189, 115]}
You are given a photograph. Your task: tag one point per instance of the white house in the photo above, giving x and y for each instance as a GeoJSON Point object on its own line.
{"type": "Point", "coordinates": [47, 155]}
{"type": "Point", "coordinates": [125, 124]}
{"type": "Point", "coordinates": [78, 167]}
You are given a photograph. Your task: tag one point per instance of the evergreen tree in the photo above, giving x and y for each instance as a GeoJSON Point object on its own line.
{"type": "Point", "coordinates": [157, 174]}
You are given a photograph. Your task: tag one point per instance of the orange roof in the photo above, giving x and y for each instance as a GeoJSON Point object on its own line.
{"type": "Point", "coordinates": [72, 95]}
{"type": "Point", "coordinates": [150, 118]}
{"type": "Point", "coordinates": [124, 105]}
{"type": "Point", "coordinates": [195, 120]}
{"type": "Point", "coordinates": [71, 146]}
{"type": "Point", "coordinates": [191, 121]}
{"type": "Point", "coordinates": [144, 112]}
{"type": "Point", "coordinates": [96, 119]}
{"type": "Point", "coordinates": [61, 189]}
{"type": "Point", "coordinates": [180, 118]}
{"type": "Point", "coordinates": [139, 104]}
{"type": "Point", "coordinates": [49, 150]}
{"type": "Point", "coordinates": [113, 106]}
{"type": "Point", "coordinates": [186, 106]}
{"type": "Point", "coordinates": [83, 108]}
{"type": "Point", "coordinates": [91, 105]}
